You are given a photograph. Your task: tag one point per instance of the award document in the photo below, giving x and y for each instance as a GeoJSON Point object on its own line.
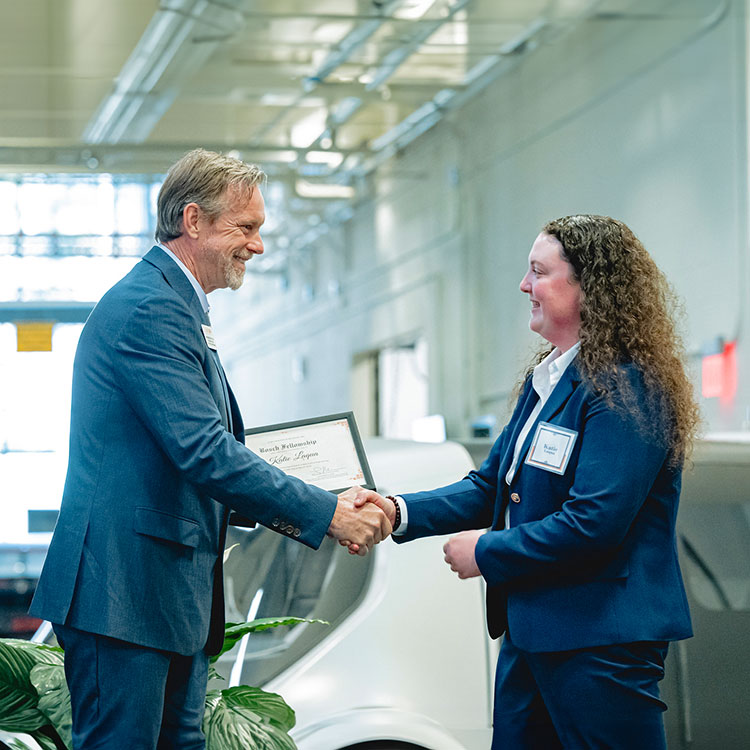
{"type": "Point", "coordinates": [324, 451]}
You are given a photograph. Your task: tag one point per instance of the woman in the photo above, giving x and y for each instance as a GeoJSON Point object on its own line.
{"type": "Point", "coordinates": [580, 493]}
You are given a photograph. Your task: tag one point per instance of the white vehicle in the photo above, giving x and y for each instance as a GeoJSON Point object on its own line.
{"type": "Point", "coordinates": [406, 658]}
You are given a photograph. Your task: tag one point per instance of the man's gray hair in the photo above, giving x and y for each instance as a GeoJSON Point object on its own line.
{"type": "Point", "coordinates": [200, 177]}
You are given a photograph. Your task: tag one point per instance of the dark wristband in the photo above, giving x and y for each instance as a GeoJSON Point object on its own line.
{"type": "Point", "coordinates": [397, 521]}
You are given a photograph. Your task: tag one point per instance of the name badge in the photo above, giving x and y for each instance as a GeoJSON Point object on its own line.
{"type": "Point", "coordinates": [551, 447]}
{"type": "Point", "coordinates": [208, 334]}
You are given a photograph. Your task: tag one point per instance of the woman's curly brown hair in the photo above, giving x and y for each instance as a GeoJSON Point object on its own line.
{"type": "Point", "coordinates": [627, 315]}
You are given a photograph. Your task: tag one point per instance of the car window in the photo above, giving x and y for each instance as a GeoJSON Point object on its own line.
{"type": "Point", "coordinates": [715, 540]}
{"type": "Point", "coordinates": [269, 575]}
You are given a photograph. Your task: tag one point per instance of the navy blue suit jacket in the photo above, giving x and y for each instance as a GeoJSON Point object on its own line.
{"type": "Point", "coordinates": [590, 558]}
{"type": "Point", "coordinates": [153, 471]}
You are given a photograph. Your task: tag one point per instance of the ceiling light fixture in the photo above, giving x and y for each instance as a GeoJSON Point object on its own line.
{"type": "Point", "coordinates": [307, 189]}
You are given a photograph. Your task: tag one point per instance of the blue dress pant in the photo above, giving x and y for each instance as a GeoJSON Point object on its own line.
{"type": "Point", "coordinates": [129, 697]}
{"type": "Point", "coordinates": [601, 698]}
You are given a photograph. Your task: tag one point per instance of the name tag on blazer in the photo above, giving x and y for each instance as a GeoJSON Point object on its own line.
{"type": "Point", "coordinates": [208, 334]}
{"type": "Point", "coordinates": [551, 447]}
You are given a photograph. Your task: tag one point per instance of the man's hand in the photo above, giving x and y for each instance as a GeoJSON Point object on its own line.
{"type": "Point", "coordinates": [459, 553]}
{"type": "Point", "coordinates": [359, 527]}
{"type": "Point", "coordinates": [361, 497]}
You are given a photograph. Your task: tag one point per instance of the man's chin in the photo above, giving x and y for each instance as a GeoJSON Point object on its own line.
{"type": "Point", "coordinates": [235, 282]}
{"type": "Point", "coordinates": [233, 277]}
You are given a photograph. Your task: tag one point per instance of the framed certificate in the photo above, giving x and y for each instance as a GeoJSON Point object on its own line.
{"type": "Point", "coordinates": [324, 451]}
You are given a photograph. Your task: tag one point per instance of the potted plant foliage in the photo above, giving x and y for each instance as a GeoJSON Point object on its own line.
{"type": "Point", "coordinates": [34, 698]}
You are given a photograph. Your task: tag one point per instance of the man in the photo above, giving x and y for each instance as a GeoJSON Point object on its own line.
{"type": "Point", "coordinates": [133, 577]}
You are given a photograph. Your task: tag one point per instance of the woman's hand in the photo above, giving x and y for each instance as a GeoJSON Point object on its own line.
{"type": "Point", "coordinates": [459, 553]}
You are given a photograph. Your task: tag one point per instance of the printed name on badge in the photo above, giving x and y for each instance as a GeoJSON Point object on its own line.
{"type": "Point", "coordinates": [208, 334]}
{"type": "Point", "coordinates": [551, 447]}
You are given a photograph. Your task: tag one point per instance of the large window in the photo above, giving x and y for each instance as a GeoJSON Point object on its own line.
{"type": "Point", "coordinates": [62, 215]}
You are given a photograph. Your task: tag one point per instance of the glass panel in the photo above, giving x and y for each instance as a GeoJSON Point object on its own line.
{"type": "Point", "coordinates": [36, 391]}
{"type": "Point", "coordinates": [133, 246]}
{"type": "Point", "coordinates": [9, 223]}
{"type": "Point", "coordinates": [403, 389]}
{"type": "Point", "coordinates": [131, 215]}
{"type": "Point", "coordinates": [8, 245]}
{"type": "Point", "coordinates": [153, 196]}
{"type": "Point", "coordinates": [62, 215]}
{"type": "Point", "coordinates": [269, 575]}
{"type": "Point", "coordinates": [41, 245]}
{"type": "Point", "coordinates": [102, 246]}
{"type": "Point", "coordinates": [37, 205]}
{"type": "Point", "coordinates": [86, 208]}
{"type": "Point", "coordinates": [715, 542]}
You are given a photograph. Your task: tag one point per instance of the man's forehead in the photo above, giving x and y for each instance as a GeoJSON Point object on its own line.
{"type": "Point", "coordinates": [241, 194]}
{"type": "Point", "coordinates": [243, 199]}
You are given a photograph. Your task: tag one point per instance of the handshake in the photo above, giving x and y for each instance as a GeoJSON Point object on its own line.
{"type": "Point", "coordinates": [362, 519]}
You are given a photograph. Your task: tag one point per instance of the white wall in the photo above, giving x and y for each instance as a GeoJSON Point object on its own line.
{"type": "Point", "coordinates": [643, 119]}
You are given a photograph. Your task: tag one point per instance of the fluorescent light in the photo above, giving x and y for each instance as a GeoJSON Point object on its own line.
{"type": "Point", "coordinates": [306, 131]}
{"type": "Point", "coordinates": [413, 9]}
{"type": "Point", "coordinates": [331, 158]}
{"type": "Point", "coordinates": [329, 190]}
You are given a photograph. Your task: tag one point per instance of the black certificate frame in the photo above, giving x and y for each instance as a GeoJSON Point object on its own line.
{"type": "Point", "coordinates": [359, 448]}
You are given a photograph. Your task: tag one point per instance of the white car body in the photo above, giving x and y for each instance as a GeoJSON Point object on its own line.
{"type": "Point", "coordinates": [412, 662]}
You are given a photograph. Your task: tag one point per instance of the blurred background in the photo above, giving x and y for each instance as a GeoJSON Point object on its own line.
{"type": "Point", "coordinates": [414, 149]}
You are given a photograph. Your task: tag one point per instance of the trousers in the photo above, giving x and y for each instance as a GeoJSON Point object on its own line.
{"type": "Point", "coordinates": [130, 697]}
{"type": "Point", "coordinates": [601, 698]}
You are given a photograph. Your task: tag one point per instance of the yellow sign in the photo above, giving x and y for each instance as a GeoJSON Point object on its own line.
{"type": "Point", "coordinates": [34, 336]}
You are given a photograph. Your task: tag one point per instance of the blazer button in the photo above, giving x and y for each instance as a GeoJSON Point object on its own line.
{"type": "Point", "coordinates": [515, 497]}
{"type": "Point", "coordinates": [297, 532]}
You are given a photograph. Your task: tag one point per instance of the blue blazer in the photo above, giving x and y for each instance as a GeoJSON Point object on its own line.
{"type": "Point", "coordinates": [590, 557]}
{"type": "Point", "coordinates": [153, 471]}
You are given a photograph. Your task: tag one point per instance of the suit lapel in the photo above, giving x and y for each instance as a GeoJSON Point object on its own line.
{"type": "Point", "coordinates": [557, 399]}
{"type": "Point", "coordinates": [224, 390]}
{"type": "Point", "coordinates": [561, 393]}
{"type": "Point", "coordinates": [176, 278]}
{"type": "Point", "coordinates": [531, 398]}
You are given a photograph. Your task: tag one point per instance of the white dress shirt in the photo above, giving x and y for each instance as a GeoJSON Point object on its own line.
{"type": "Point", "coordinates": [546, 376]}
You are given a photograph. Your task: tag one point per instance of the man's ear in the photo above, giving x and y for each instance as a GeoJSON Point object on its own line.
{"type": "Point", "coordinates": [190, 217]}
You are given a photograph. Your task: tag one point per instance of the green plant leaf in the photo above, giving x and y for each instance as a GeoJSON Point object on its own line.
{"type": "Point", "coordinates": [271, 706]}
{"type": "Point", "coordinates": [247, 717]}
{"type": "Point", "coordinates": [213, 674]}
{"type": "Point", "coordinates": [45, 742]}
{"type": "Point", "coordinates": [18, 697]}
{"type": "Point", "coordinates": [16, 743]}
{"type": "Point", "coordinates": [234, 631]}
{"type": "Point", "coordinates": [54, 699]}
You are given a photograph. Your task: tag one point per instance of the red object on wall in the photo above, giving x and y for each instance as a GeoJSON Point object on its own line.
{"type": "Point", "coordinates": [719, 373]}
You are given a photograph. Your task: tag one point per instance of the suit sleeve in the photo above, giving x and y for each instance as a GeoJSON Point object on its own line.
{"type": "Point", "coordinates": [157, 357]}
{"type": "Point", "coordinates": [469, 503]}
{"type": "Point", "coordinates": [616, 468]}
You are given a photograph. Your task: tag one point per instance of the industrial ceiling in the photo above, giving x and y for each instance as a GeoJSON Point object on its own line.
{"type": "Point", "coordinates": [319, 94]}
